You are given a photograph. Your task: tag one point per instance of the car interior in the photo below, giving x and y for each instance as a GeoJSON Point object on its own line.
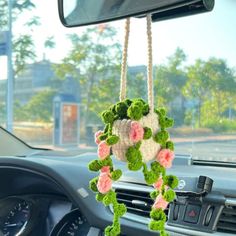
{"type": "Point", "coordinates": [62, 66]}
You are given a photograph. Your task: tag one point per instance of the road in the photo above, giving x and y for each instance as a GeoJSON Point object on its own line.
{"type": "Point", "coordinates": [212, 150]}
{"type": "Point", "coordinates": [209, 149]}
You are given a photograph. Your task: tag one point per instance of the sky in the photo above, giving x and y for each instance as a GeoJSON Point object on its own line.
{"type": "Point", "coordinates": [201, 36]}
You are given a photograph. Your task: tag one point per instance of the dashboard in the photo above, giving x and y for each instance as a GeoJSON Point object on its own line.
{"type": "Point", "coordinates": [45, 211]}
{"type": "Point", "coordinates": [47, 194]}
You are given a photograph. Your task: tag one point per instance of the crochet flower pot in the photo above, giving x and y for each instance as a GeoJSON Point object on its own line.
{"type": "Point", "coordinates": [135, 133]}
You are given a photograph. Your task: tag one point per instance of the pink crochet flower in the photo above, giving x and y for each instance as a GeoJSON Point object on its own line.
{"type": "Point", "coordinates": [103, 150]}
{"type": "Point", "coordinates": [104, 183]}
{"type": "Point", "coordinates": [158, 184]}
{"type": "Point", "coordinates": [160, 203]}
{"type": "Point", "coordinates": [136, 132]}
{"type": "Point", "coordinates": [96, 136]}
{"type": "Point", "coordinates": [165, 158]}
{"type": "Point", "coordinates": [105, 169]}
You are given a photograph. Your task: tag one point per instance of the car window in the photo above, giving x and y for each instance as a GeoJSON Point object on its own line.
{"type": "Point", "coordinates": [63, 78]}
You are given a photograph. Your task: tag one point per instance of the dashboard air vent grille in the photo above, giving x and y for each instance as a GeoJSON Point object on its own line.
{"type": "Point", "coordinates": [227, 221]}
{"type": "Point", "coordinates": [137, 202]}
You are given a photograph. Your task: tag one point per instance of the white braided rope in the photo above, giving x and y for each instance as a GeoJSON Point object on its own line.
{"type": "Point", "coordinates": [124, 61]}
{"type": "Point", "coordinates": [149, 66]}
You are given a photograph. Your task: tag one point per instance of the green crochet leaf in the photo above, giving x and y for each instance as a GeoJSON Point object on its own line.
{"type": "Point", "coordinates": [108, 117]}
{"type": "Point", "coordinates": [171, 181]}
{"type": "Point", "coordinates": [113, 139]}
{"type": "Point", "coordinates": [158, 214]}
{"type": "Point", "coordinates": [94, 165]}
{"type": "Point", "coordinates": [115, 175]}
{"type": "Point", "coordinates": [147, 133]}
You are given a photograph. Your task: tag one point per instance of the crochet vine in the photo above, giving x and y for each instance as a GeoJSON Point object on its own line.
{"type": "Point", "coordinates": [135, 134]}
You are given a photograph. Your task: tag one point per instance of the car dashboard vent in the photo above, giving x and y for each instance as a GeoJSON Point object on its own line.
{"type": "Point", "coordinates": [227, 220]}
{"type": "Point", "coordinates": [137, 202]}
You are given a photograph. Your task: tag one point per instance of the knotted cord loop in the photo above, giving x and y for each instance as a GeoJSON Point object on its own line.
{"type": "Point", "coordinates": [124, 61]}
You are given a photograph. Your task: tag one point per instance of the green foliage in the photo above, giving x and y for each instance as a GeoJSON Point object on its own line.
{"type": "Point", "coordinates": [121, 109]}
{"type": "Point", "coordinates": [115, 175]}
{"type": "Point", "coordinates": [39, 108]}
{"type": "Point", "coordinates": [107, 117]}
{"type": "Point", "coordinates": [50, 42]}
{"type": "Point", "coordinates": [161, 137]}
{"type": "Point", "coordinates": [169, 195]}
{"type": "Point", "coordinates": [169, 82]}
{"type": "Point", "coordinates": [109, 198]}
{"type": "Point", "coordinates": [106, 162]}
{"type": "Point", "coordinates": [150, 177]}
{"type": "Point", "coordinates": [154, 194]}
{"type": "Point", "coordinates": [157, 225]}
{"type": "Point", "coordinates": [94, 60]}
{"type": "Point", "coordinates": [158, 214]}
{"type": "Point", "coordinates": [120, 209]}
{"type": "Point", "coordinates": [94, 165]}
{"type": "Point", "coordinates": [134, 158]}
{"type": "Point", "coordinates": [161, 112]}
{"type": "Point", "coordinates": [133, 154]}
{"type": "Point", "coordinates": [171, 181]}
{"type": "Point", "coordinates": [23, 44]}
{"type": "Point", "coordinates": [24, 51]}
{"type": "Point", "coordinates": [135, 112]}
{"type": "Point", "coordinates": [128, 101]}
{"type": "Point", "coordinates": [135, 166]}
{"type": "Point", "coordinates": [93, 184]}
{"type": "Point", "coordinates": [113, 139]}
{"type": "Point", "coordinates": [168, 122]}
{"type": "Point", "coordinates": [99, 197]}
{"type": "Point", "coordinates": [170, 145]}
{"type": "Point", "coordinates": [156, 167]}
{"type": "Point", "coordinates": [103, 137]}
{"type": "Point", "coordinates": [145, 109]}
{"type": "Point", "coordinates": [164, 233]}
{"type": "Point", "coordinates": [113, 230]}
{"type": "Point", "coordinates": [221, 125]}
{"type": "Point", "coordinates": [147, 133]}
{"type": "Point", "coordinates": [138, 145]}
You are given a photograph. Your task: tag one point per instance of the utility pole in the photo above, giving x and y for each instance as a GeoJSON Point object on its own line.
{"type": "Point", "coordinates": [10, 85]}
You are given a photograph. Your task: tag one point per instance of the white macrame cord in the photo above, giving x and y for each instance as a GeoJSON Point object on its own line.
{"type": "Point", "coordinates": [124, 61]}
{"type": "Point", "coordinates": [123, 82]}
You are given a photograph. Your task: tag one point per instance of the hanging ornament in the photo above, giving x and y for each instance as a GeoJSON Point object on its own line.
{"type": "Point", "coordinates": [135, 132]}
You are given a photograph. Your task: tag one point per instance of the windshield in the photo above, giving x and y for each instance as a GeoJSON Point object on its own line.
{"type": "Point", "coordinates": [63, 78]}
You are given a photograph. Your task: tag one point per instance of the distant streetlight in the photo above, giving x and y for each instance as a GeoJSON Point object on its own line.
{"type": "Point", "coordinates": [10, 87]}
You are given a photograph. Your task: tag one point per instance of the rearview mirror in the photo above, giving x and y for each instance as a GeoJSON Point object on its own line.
{"type": "Point", "coordinates": [84, 12]}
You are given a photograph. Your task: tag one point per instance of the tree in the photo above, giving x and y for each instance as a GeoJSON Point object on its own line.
{"type": "Point", "coordinates": [210, 87]}
{"type": "Point", "coordinates": [223, 83]}
{"type": "Point", "coordinates": [169, 82]}
{"type": "Point", "coordinates": [40, 107]}
{"type": "Point", "coordinates": [23, 52]}
{"type": "Point", "coordinates": [93, 61]}
{"type": "Point", "coordinates": [197, 86]}
{"type": "Point", "coordinates": [23, 45]}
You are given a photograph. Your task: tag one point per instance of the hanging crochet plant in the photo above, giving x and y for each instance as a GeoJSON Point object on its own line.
{"type": "Point", "coordinates": [135, 132]}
